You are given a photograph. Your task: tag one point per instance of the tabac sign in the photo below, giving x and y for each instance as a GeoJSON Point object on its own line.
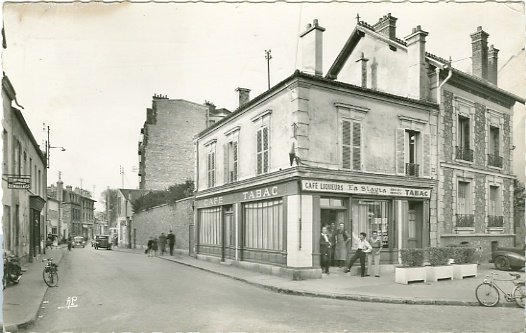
{"type": "Point", "coordinates": [19, 182]}
{"type": "Point", "coordinates": [364, 189]}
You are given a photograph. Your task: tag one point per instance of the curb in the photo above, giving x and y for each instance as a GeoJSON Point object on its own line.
{"type": "Point", "coordinates": [360, 298]}
{"type": "Point", "coordinates": [14, 328]}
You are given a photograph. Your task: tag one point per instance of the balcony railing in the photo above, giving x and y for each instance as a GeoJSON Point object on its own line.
{"type": "Point", "coordinates": [495, 221]}
{"type": "Point", "coordinates": [464, 154]}
{"type": "Point", "coordinates": [465, 220]}
{"type": "Point", "coordinates": [412, 169]}
{"type": "Point", "coordinates": [495, 161]}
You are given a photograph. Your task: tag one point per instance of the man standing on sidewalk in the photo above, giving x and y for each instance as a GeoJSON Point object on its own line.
{"type": "Point", "coordinates": [171, 242]}
{"type": "Point", "coordinates": [374, 255]}
{"type": "Point", "coordinates": [363, 248]}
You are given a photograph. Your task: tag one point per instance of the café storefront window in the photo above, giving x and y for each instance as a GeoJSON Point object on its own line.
{"type": "Point", "coordinates": [369, 216]}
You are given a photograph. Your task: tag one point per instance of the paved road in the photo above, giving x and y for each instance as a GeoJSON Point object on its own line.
{"type": "Point", "coordinates": [113, 291]}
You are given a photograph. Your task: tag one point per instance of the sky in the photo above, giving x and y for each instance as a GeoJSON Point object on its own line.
{"type": "Point", "coordinates": [89, 70]}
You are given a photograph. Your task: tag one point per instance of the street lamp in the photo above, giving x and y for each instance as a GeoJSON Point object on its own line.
{"type": "Point", "coordinates": [49, 147]}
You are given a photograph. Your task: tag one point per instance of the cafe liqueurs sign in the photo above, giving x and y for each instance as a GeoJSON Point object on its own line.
{"type": "Point", "coordinates": [364, 189]}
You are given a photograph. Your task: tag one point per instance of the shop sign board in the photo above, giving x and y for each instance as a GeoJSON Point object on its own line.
{"type": "Point", "coordinates": [260, 193]}
{"type": "Point", "coordinates": [19, 182]}
{"type": "Point", "coordinates": [364, 189]}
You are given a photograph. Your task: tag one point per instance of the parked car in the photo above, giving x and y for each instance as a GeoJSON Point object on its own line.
{"type": "Point", "coordinates": [78, 241]}
{"type": "Point", "coordinates": [506, 258]}
{"type": "Point", "coordinates": [103, 241]}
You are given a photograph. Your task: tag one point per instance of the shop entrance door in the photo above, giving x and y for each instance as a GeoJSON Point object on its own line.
{"type": "Point", "coordinates": [415, 225]}
{"type": "Point", "coordinates": [227, 231]}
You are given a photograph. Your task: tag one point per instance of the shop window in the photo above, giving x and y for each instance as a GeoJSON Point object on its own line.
{"type": "Point", "coordinates": [333, 202]}
{"type": "Point", "coordinates": [210, 226]}
{"type": "Point", "coordinates": [369, 216]}
{"type": "Point", "coordinates": [264, 225]}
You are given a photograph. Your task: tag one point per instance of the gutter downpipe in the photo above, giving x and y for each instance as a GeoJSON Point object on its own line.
{"type": "Point", "coordinates": [440, 107]}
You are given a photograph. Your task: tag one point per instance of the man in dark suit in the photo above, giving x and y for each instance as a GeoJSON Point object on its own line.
{"type": "Point", "coordinates": [325, 250]}
{"type": "Point", "coordinates": [171, 242]}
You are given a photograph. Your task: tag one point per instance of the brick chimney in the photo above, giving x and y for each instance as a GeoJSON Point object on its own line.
{"type": "Point", "coordinates": [312, 49]}
{"type": "Point", "coordinates": [492, 64]}
{"type": "Point", "coordinates": [387, 26]}
{"type": "Point", "coordinates": [416, 53]}
{"type": "Point", "coordinates": [479, 57]}
{"type": "Point", "coordinates": [244, 95]}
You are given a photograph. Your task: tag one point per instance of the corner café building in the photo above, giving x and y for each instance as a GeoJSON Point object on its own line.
{"type": "Point", "coordinates": [273, 225]}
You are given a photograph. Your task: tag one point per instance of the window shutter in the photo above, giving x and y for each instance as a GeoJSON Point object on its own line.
{"type": "Point", "coordinates": [213, 168]}
{"type": "Point", "coordinates": [259, 147]}
{"type": "Point", "coordinates": [400, 144]}
{"type": "Point", "coordinates": [234, 169]}
{"type": "Point", "coordinates": [356, 146]}
{"type": "Point", "coordinates": [265, 149]}
{"type": "Point", "coordinates": [426, 155]}
{"type": "Point", "coordinates": [346, 144]}
{"type": "Point", "coordinates": [226, 168]}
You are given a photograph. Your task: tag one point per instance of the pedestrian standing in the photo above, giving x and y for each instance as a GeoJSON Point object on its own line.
{"type": "Point", "coordinates": [341, 239]}
{"type": "Point", "coordinates": [171, 242]}
{"type": "Point", "coordinates": [363, 247]}
{"type": "Point", "coordinates": [325, 250]}
{"type": "Point", "coordinates": [155, 247]}
{"type": "Point", "coordinates": [374, 255]}
{"type": "Point", "coordinates": [162, 243]}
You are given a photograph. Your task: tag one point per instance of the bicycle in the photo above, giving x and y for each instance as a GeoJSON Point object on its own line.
{"type": "Point", "coordinates": [50, 273]}
{"type": "Point", "coordinates": [488, 291]}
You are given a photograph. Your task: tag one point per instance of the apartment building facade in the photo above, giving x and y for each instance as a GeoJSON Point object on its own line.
{"type": "Point", "coordinates": [391, 139]}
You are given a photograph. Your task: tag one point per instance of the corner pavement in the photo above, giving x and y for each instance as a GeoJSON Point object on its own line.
{"type": "Point", "coordinates": [339, 285]}
{"type": "Point", "coordinates": [23, 301]}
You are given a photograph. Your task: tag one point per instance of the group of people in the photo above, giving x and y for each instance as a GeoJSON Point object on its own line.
{"type": "Point", "coordinates": [159, 244]}
{"type": "Point", "coordinates": [334, 249]}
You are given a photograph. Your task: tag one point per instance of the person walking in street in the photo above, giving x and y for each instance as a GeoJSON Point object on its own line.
{"type": "Point", "coordinates": [162, 243]}
{"type": "Point", "coordinates": [325, 250]}
{"type": "Point", "coordinates": [171, 242]}
{"type": "Point", "coordinates": [70, 242]}
{"type": "Point", "coordinates": [341, 239]}
{"type": "Point", "coordinates": [150, 247]}
{"type": "Point", "coordinates": [374, 255]}
{"type": "Point", "coordinates": [363, 247]}
{"type": "Point", "coordinates": [155, 247]}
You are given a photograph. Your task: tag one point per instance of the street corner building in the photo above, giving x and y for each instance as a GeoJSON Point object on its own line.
{"type": "Point", "coordinates": [390, 139]}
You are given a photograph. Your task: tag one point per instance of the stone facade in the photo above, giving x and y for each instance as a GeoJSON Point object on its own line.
{"type": "Point", "coordinates": [447, 133]}
{"type": "Point", "coordinates": [154, 221]}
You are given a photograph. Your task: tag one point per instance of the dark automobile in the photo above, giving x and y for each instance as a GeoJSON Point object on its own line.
{"type": "Point", "coordinates": [506, 258]}
{"type": "Point", "coordinates": [103, 241]}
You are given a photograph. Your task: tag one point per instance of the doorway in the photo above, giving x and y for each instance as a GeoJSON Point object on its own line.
{"type": "Point", "coordinates": [415, 225]}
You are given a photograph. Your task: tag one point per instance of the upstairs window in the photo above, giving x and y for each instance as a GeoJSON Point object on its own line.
{"type": "Point", "coordinates": [262, 150]}
{"type": "Point", "coordinates": [351, 144]}
{"type": "Point", "coordinates": [494, 158]}
{"type": "Point", "coordinates": [211, 165]}
{"type": "Point", "coordinates": [494, 202]}
{"type": "Point", "coordinates": [464, 151]}
{"type": "Point", "coordinates": [231, 161]}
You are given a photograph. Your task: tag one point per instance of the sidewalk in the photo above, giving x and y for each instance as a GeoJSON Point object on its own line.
{"type": "Point", "coordinates": [339, 285]}
{"type": "Point", "coordinates": [22, 302]}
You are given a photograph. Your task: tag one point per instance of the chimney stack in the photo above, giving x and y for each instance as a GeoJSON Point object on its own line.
{"type": "Point", "coordinates": [312, 49]}
{"type": "Point", "coordinates": [386, 26]}
{"type": "Point", "coordinates": [416, 52]}
{"type": "Point", "coordinates": [479, 58]}
{"type": "Point", "coordinates": [492, 64]}
{"type": "Point", "coordinates": [244, 96]}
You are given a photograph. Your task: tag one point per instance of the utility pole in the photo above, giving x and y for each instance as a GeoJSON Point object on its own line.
{"type": "Point", "coordinates": [268, 57]}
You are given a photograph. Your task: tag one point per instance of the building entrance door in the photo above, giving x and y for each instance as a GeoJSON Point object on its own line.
{"type": "Point", "coordinates": [415, 225]}
{"type": "Point", "coordinates": [227, 240]}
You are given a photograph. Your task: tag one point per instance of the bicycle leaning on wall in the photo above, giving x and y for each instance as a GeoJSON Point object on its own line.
{"type": "Point", "coordinates": [488, 291]}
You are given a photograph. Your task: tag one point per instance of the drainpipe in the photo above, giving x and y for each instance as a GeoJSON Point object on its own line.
{"type": "Point", "coordinates": [439, 102]}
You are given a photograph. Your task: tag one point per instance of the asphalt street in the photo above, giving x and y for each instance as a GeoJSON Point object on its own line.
{"type": "Point", "coordinates": [110, 291]}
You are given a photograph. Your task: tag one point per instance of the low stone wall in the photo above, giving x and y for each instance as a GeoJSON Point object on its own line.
{"type": "Point", "coordinates": [481, 242]}
{"type": "Point", "coordinates": [177, 217]}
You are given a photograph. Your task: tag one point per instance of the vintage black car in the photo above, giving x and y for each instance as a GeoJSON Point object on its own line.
{"type": "Point", "coordinates": [506, 258]}
{"type": "Point", "coordinates": [103, 241]}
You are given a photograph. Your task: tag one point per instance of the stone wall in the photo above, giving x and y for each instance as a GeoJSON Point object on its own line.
{"type": "Point", "coordinates": [152, 222]}
{"type": "Point", "coordinates": [447, 131]}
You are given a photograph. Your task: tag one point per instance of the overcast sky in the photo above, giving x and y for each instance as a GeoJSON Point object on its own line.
{"type": "Point", "coordinates": [89, 70]}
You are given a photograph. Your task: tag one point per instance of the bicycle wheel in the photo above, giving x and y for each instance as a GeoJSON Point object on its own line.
{"type": "Point", "coordinates": [50, 277]}
{"type": "Point", "coordinates": [487, 294]}
{"type": "Point", "coordinates": [519, 294]}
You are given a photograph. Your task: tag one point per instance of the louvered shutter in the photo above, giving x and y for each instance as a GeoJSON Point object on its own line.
{"type": "Point", "coordinates": [400, 144]}
{"type": "Point", "coordinates": [259, 147]}
{"type": "Point", "coordinates": [346, 144]}
{"type": "Point", "coordinates": [212, 171]}
{"type": "Point", "coordinates": [226, 168]}
{"type": "Point", "coordinates": [265, 150]}
{"type": "Point", "coordinates": [356, 146]}
{"type": "Point", "coordinates": [234, 168]}
{"type": "Point", "coordinates": [426, 155]}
